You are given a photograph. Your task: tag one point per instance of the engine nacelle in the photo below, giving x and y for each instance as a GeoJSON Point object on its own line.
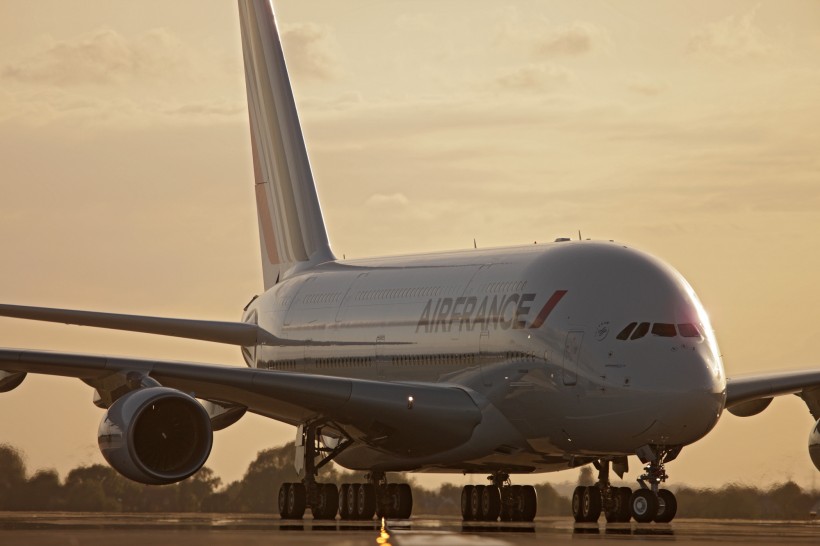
{"type": "Point", "coordinates": [156, 435]}
{"type": "Point", "coordinates": [814, 445]}
{"type": "Point", "coordinates": [10, 380]}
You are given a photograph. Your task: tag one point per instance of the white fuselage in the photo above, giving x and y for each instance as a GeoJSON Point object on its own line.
{"type": "Point", "coordinates": [530, 332]}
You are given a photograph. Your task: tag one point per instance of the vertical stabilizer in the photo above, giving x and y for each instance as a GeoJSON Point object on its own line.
{"type": "Point", "coordinates": [291, 228]}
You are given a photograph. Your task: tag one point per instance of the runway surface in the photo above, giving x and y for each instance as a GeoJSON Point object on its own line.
{"type": "Point", "coordinates": [46, 529]}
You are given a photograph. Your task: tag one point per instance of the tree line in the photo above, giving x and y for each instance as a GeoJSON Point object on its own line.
{"type": "Point", "coordinates": [100, 488]}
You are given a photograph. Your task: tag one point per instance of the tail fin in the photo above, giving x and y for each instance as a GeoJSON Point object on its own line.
{"type": "Point", "coordinates": [291, 228]}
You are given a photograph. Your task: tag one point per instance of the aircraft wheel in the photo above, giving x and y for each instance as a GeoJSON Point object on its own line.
{"type": "Point", "coordinates": [591, 504]}
{"type": "Point", "coordinates": [344, 506]}
{"type": "Point", "coordinates": [296, 502]}
{"type": "Point", "coordinates": [467, 513]}
{"type": "Point", "coordinates": [625, 494]}
{"type": "Point", "coordinates": [529, 503]}
{"type": "Point", "coordinates": [577, 501]}
{"type": "Point", "coordinates": [643, 505]}
{"type": "Point", "coordinates": [490, 503]}
{"type": "Point", "coordinates": [405, 495]}
{"type": "Point", "coordinates": [283, 500]}
{"type": "Point", "coordinates": [667, 506]}
{"type": "Point", "coordinates": [365, 501]}
{"type": "Point", "coordinates": [475, 502]}
{"type": "Point", "coordinates": [328, 501]}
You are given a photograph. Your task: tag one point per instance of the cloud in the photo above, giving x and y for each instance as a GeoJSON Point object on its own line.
{"type": "Point", "coordinates": [733, 38]}
{"type": "Point", "coordinates": [311, 51]}
{"type": "Point", "coordinates": [644, 85]}
{"type": "Point", "coordinates": [393, 200]}
{"type": "Point", "coordinates": [103, 57]}
{"type": "Point", "coordinates": [534, 77]}
{"type": "Point", "coordinates": [579, 38]}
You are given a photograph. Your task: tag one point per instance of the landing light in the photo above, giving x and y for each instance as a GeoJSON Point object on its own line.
{"type": "Point", "coordinates": [409, 402]}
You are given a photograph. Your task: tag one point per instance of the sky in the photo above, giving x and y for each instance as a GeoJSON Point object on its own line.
{"type": "Point", "coordinates": [686, 130]}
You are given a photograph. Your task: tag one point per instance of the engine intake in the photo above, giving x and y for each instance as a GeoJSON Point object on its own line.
{"type": "Point", "coordinates": [814, 445]}
{"type": "Point", "coordinates": [156, 435]}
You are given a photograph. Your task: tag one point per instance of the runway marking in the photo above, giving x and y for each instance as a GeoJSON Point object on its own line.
{"type": "Point", "coordinates": [443, 538]}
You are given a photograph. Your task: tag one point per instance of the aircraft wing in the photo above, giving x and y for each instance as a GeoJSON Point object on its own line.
{"type": "Point", "coordinates": [749, 395]}
{"type": "Point", "coordinates": [435, 416]}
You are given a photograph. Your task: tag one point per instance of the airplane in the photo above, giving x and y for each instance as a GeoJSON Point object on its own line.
{"type": "Point", "coordinates": [503, 361]}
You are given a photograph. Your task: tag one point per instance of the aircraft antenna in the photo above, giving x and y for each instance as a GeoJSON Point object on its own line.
{"type": "Point", "coordinates": [579, 234]}
{"type": "Point", "coordinates": [474, 243]}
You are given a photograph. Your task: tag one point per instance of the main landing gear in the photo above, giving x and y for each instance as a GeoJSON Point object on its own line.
{"type": "Point", "coordinates": [501, 500]}
{"type": "Point", "coordinates": [352, 501]}
{"type": "Point", "coordinates": [620, 504]}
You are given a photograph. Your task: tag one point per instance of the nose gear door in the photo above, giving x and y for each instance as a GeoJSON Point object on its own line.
{"type": "Point", "coordinates": [572, 355]}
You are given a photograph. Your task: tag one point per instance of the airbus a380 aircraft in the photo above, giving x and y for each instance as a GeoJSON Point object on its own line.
{"type": "Point", "coordinates": [504, 361]}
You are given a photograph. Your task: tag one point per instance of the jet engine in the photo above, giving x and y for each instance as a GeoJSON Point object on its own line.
{"type": "Point", "coordinates": [156, 435]}
{"type": "Point", "coordinates": [10, 380]}
{"type": "Point", "coordinates": [814, 445]}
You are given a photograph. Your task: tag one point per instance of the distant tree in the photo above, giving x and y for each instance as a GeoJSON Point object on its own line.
{"type": "Point", "coordinates": [550, 502]}
{"type": "Point", "coordinates": [586, 476]}
{"type": "Point", "coordinates": [12, 476]}
{"type": "Point", "coordinates": [41, 492]}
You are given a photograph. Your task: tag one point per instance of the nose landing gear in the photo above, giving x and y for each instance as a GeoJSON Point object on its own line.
{"type": "Point", "coordinates": [620, 504]}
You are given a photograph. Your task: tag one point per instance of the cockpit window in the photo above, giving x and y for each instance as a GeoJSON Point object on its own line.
{"type": "Point", "coordinates": [688, 330]}
{"type": "Point", "coordinates": [634, 330]}
{"type": "Point", "coordinates": [626, 331]}
{"type": "Point", "coordinates": [663, 330]}
{"type": "Point", "coordinates": [640, 331]}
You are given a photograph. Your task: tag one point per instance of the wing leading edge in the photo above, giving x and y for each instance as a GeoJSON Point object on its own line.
{"type": "Point", "coordinates": [750, 395]}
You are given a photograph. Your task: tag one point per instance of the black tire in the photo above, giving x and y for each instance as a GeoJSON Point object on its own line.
{"type": "Point", "coordinates": [466, 503]}
{"type": "Point", "coordinates": [283, 501]}
{"type": "Point", "coordinates": [667, 506]}
{"type": "Point", "coordinates": [591, 504]}
{"type": "Point", "coordinates": [405, 501]}
{"type": "Point", "coordinates": [490, 503]}
{"type": "Point", "coordinates": [328, 501]}
{"type": "Point", "coordinates": [643, 505]}
{"type": "Point", "coordinates": [625, 495]}
{"type": "Point", "coordinates": [365, 501]}
{"type": "Point", "coordinates": [352, 494]}
{"type": "Point", "coordinates": [344, 507]}
{"type": "Point", "coordinates": [530, 503]}
{"type": "Point", "coordinates": [577, 503]}
{"type": "Point", "coordinates": [475, 502]}
{"type": "Point", "coordinates": [297, 501]}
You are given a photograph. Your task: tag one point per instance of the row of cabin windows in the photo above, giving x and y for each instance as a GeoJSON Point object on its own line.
{"type": "Point", "coordinates": [636, 330]}
{"type": "Point", "coordinates": [392, 293]}
{"type": "Point", "coordinates": [420, 360]}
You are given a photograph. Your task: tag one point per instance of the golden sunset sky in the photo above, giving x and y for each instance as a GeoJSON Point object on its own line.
{"type": "Point", "coordinates": [687, 129]}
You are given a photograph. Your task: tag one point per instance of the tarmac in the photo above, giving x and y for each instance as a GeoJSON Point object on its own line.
{"type": "Point", "coordinates": [81, 529]}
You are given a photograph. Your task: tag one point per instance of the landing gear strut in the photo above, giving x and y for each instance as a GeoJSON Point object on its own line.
{"type": "Point", "coordinates": [499, 500]}
{"type": "Point", "coordinates": [589, 501]}
{"type": "Point", "coordinates": [321, 498]}
{"type": "Point", "coordinates": [650, 503]}
{"type": "Point", "coordinates": [620, 504]}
